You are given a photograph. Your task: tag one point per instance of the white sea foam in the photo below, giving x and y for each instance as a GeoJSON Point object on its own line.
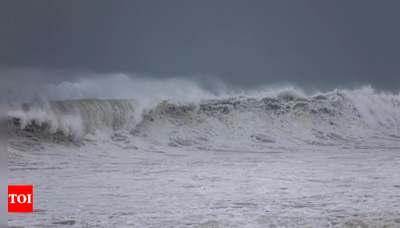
{"type": "Point", "coordinates": [347, 109]}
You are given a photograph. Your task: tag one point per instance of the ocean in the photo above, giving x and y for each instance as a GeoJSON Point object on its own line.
{"type": "Point", "coordinates": [277, 159]}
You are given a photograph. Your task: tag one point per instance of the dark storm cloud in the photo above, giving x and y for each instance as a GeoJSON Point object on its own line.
{"type": "Point", "coordinates": [243, 42]}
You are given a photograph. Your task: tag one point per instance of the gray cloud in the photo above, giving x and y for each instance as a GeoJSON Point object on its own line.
{"type": "Point", "coordinates": [247, 43]}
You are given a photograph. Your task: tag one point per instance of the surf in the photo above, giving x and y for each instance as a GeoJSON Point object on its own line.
{"type": "Point", "coordinates": [270, 118]}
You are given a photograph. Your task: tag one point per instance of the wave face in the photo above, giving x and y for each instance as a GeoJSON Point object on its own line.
{"type": "Point", "coordinates": [76, 118]}
{"type": "Point", "coordinates": [320, 119]}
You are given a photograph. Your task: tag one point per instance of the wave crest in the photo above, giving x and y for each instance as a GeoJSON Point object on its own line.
{"type": "Point", "coordinates": [76, 117]}
{"type": "Point", "coordinates": [334, 111]}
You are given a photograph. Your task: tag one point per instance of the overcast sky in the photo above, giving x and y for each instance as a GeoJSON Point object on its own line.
{"type": "Point", "coordinates": [242, 42]}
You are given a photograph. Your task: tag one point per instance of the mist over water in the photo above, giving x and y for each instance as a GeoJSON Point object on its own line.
{"type": "Point", "coordinates": [26, 86]}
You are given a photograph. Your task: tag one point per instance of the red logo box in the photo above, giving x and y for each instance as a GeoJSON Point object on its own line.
{"type": "Point", "coordinates": [20, 198]}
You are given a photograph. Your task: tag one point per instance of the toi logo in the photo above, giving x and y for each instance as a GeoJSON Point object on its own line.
{"type": "Point", "coordinates": [20, 198]}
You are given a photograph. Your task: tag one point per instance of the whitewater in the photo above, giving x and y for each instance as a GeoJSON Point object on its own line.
{"type": "Point", "coordinates": [276, 158]}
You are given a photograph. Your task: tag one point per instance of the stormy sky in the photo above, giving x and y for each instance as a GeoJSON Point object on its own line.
{"type": "Point", "coordinates": [247, 43]}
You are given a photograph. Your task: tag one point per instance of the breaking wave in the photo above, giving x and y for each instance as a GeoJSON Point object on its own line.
{"type": "Point", "coordinates": [76, 117]}
{"type": "Point", "coordinates": [263, 118]}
